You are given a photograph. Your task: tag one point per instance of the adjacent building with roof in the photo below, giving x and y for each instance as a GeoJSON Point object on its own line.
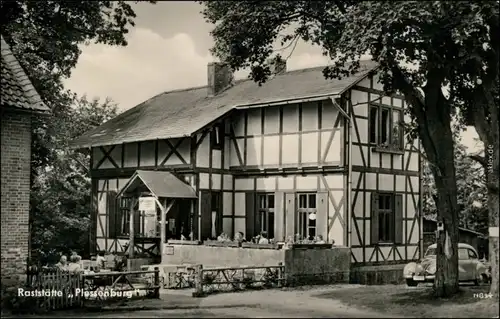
{"type": "Point", "coordinates": [298, 155]}
{"type": "Point", "coordinates": [19, 103]}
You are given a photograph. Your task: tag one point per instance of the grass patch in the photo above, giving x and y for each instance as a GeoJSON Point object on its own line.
{"type": "Point", "coordinates": [418, 301]}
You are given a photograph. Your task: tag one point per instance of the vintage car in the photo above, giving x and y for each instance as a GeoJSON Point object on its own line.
{"type": "Point", "coordinates": [470, 268]}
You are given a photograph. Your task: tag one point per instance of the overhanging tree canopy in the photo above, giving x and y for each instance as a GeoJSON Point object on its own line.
{"type": "Point", "coordinates": [421, 47]}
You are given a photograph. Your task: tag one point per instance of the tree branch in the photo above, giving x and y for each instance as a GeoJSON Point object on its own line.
{"type": "Point", "coordinates": [480, 159]}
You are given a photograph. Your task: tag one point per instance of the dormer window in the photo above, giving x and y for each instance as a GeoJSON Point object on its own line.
{"type": "Point", "coordinates": [217, 136]}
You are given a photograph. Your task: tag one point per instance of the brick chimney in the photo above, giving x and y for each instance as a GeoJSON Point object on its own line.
{"type": "Point", "coordinates": [278, 66]}
{"type": "Point", "coordinates": [220, 77]}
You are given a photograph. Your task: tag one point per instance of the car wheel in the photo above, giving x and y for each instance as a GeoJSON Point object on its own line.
{"type": "Point", "coordinates": [411, 283]}
{"type": "Point", "coordinates": [486, 279]}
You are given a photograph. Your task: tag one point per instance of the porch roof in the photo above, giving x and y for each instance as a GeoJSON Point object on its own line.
{"type": "Point", "coordinates": [161, 184]}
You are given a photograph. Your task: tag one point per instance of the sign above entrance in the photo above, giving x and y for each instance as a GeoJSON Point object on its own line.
{"type": "Point", "coordinates": [147, 204]}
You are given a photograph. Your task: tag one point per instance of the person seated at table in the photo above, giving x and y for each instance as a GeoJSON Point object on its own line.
{"type": "Point", "coordinates": [239, 237]}
{"type": "Point", "coordinates": [263, 239]}
{"type": "Point", "coordinates": [74, 265]}
{"type": "Point", "coordinates": [223, 237]}
{"type": "Point", "coordinates": [319, 240]}
{"type": "Point", "coordinates": [75, 254]}
{"type": "Point", "coordinates": [100, 261]}
{"type": "Point", "coordinates": [62, 265]}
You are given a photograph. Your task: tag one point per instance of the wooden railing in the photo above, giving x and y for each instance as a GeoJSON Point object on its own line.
{"type": "Point", "coordinates": [109, 286]}
{"type": "Point", "coordinates": [62, 290]}
{"type": "Point", "coordinates": [54, 290]}
{"type": "Point", "coordinates": [237, 278]}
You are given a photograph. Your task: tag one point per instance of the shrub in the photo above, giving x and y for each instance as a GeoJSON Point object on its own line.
{"type": "Point", "coordinates": [12, 302]}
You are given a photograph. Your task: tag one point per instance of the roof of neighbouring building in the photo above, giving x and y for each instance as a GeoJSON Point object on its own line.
{"type": "Point", "coordinates": [17, 90]}
{"type": "Point", "coordinates": [433, 220]}
{"type": "Point", "coordinates": [180, 113]}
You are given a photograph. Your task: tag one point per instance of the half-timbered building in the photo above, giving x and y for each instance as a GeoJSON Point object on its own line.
{"type": "Point", "coordinates": [298, 155]}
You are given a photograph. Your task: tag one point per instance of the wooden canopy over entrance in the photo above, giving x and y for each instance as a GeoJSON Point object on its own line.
{"type": "Point", "coordinates": [151, 189]}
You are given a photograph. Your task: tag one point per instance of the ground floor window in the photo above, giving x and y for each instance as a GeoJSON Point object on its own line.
{"type": "Point", "coordinates": [386, 217]}
{"type": "Point", "coordinates": [265, 215]}
{"type": "Point", "coordinates": [306, 216]}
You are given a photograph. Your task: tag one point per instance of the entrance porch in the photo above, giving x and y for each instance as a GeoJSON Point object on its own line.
{"type": "Point", "coordinates": [159, 206]}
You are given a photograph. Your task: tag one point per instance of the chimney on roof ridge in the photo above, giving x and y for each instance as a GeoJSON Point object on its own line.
{"type": "Point", "coordinates": [220, 77]}
{"type": "Point", "coordinates": [277, 65]}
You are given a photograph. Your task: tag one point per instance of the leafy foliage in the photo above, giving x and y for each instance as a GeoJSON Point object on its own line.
{"type": "Point", "coordinates": [46, 38]}
{"type": "Point", "coordinates": [60, 198]}
{"type": "Point", "coordinates": [420, 46]}
{"type": "Point", "coordinates": [471, 185]}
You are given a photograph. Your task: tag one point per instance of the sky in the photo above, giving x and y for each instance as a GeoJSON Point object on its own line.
{"type": "Point", "coordinates": [167, 49]}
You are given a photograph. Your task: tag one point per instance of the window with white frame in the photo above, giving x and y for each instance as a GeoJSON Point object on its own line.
{"type": "Point", "coordinates": [386, 127]}
{"type": "Point", "coordinates": [266, 214]}
{"type": "Point", "coordinates": [306, 216]}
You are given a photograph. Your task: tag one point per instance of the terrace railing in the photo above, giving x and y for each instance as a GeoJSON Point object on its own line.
{"type": "Point", "coordinates": [54, 289]}
{"type": "Point", "coordinates": [237, 278]}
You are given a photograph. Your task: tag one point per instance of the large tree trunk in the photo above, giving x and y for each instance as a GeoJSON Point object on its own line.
{"type": "Point", "coordinates": [493, 178]}
{"type": "Point", "coordinates": [446, 281]}
{"type": "Point", "coordinates": [432, 113]}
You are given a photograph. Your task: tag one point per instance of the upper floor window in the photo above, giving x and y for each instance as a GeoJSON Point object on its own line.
{"type": "Point", "coordinates": [216, 136]}
{"type": "Point", "coordinates": [306, 216]}
{"type": "Point", "coordinates": [386, 126]}
{"type": "Point", "coordinates": [265, 215]}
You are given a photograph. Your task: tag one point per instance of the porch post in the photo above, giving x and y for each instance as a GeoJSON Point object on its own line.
{"type": "Point", "coordinates": [131, 228]}
{"type": "Point", "coordinates": [163, 221]}
{"type": "Point", "coordinates": [191, 213]}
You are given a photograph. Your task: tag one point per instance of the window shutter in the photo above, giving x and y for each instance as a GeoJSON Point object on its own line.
{"type": "Point", "coordinates": [398, 219]}
{"type": "Point", "coordinates": [322, 214]}
{"type": "Point", "coordinates": [250, 228]}
{"type": "Point", "coordinates": [206, 214]}
{"type": "Point", "coordinates": [279, 217]}
{"type": "Point", "coordinates": [374, 219]}
{"type": "Point", "coordinates": [112, 213]}
{"type": "Point", "coordinates": [290, 214]}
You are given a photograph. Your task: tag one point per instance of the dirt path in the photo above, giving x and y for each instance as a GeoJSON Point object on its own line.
{"type": "Point", "coordinates": [302, 303]}
{"type": "Point", "coordinates": [254, 304]}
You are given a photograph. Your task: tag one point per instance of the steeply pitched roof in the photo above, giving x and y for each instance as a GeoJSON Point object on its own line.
{"type": "Point", "coordinates": [17, 90]}
{"type": "Point", "coordinates": [182, 112]}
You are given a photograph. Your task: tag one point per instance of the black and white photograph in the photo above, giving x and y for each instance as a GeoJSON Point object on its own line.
{"type": "Point", "coordinates": [250, 159]}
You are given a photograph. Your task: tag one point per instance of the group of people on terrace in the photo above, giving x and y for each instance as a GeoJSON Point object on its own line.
{"type": "Point", "coordinates": [75, 265]}
{"type": "Point", "coordinates": [262, 239]}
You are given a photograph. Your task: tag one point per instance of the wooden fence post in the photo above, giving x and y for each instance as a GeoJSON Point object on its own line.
{"type": "Point", "coordinates": [157, 283]}
{"type": "Point", "coordinates": [198, 281]}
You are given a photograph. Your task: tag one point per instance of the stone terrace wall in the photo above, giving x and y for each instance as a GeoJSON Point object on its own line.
{"type": "Point", "coordinates": [378, 275]}
{"type": "Point", "coordinates": [317, 265]}
{"type": "Point", "coordinates": [305, 265]}
{"type": "Point", "coordinates": [222, 256]}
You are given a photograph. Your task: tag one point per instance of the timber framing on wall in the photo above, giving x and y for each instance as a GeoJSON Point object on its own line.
{"type": "Point", "coordinates": [376, 171]}
{"type": "Point", "coordinates": [286, 149]}
{"type": "Point", "coordinates": [251, 150]}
